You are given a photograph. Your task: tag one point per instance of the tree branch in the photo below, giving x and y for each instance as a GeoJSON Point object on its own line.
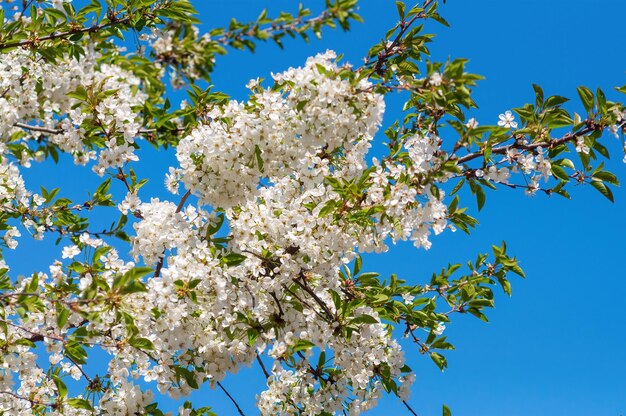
{"type": "Point", "coordinates": [319, 301]}
{"type": "Point", "coordinates": [258, 358]}
{"type": "Point", "coordinates": [231, 399]}
{"type": "Point", "coordinates": [36, 336]}
{"type": "Point", "coordinates": [409, 407]}
{"type": "Point", "coordinates": [61, 131]}
{"type": "Point", "coordinates": [31, 401]}
{"type": "Point", "coordinates": [92, 29]}
{"type": "Point", "coordinates": [569, 137]}
{"type": "Point", "coordinates": [389, 49]}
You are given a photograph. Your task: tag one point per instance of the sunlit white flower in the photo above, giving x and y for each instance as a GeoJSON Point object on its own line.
{"type": "Point", "coordinates": [471, 123]}
{"type": "Point", "coordinates": [70, 252]}
{"type": "Point", "coordinates": [435, 79]}
{"type": "Point", "coordinates": [507, 120]}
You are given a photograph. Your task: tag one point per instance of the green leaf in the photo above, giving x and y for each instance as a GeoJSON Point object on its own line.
{"type": "Point", "coordinates": [61, 387]}
{"type": "Point", "coordinates": [141, 343]}
{"type": "Point", "coordinates": [538, 95]}
{"type": "Point", "coordinates": [79, 404]}
{"type": "Point", "coordinates": [598, 147]}
{"type": "Point", "coordinates": [55, 14]}
{"type": "Point", "coordinates": [302, 344]}
{"type": "Point", "coordinates": [327, 208]}
{"type": "Point", "coordinates": [401, 8]}
{"type": "Point", "coordinates": [446, 411]}
{"type": "Point", "coordinates": [601, 101]}
{"type": "Point", "coordinates": [79, 93]}
{"type": "Point", "coordinates": [555, 100]}
{"type": "Point", "coordinates": [565, 162]}
{"type": "Point", "coordinates": [457, 187]}
{"type": "Point", "coordinates": [603, 189]}
{"type": "Point", "coordinates": [213, 228]}
{"type": "Point", "coordinates": [76, 352]}
{"type": "Point", "coordinates": [139, 272]}
{"type": "Point", "coordinates": [233, 259]}
{"type": "Point", "coordinates": [365, 319]}
{"type": "Point", "coordinates": [24, 341]}
{"type": "Point", "coordinates": [134, 286]}
{"type": "Point", "coordinates": [357, 265]}
{"type": "Point", "coordinates": [517, 270]}
{"type": "Point", "coordinates": [560, 173]}
{"type": "Point", "coordinates": [480, 194]}
{"type": "Point", "coordinates": [586, 96]}
{"type": "Point", "coordinates": [368, 275]}
{"type": "Point", "coordinates": [62, 315]}
{"type": "Point", "coordinates": [101, 251]}
{"type": "Point", "coordinates": [259, 159]}
{"type": "Point", "coordinates": [439, 359]}
{"type": "Point", "coordinates": [606, 177]}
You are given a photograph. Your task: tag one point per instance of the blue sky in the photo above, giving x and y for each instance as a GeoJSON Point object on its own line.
{"type": "Point", "coordinates": [557, 345]}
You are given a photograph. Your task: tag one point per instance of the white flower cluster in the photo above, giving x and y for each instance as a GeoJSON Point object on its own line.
{"type": "Point", "coordinates": [279, 166]}
{"type": "Point", "coordinates": [168, 48]}
{"type": "Point", "coordinates": [12, 188]}
{"type": "Point", "coordinates": [411, 211]}
{"type": "Point", "coordinates": [162, 228]}
{"type": "Point", "coordinates": [536, 165]}
{"type": "Point", "coordinates": [20, 369]}
{"type": "Point", "coordinates": [13, 194]}
{"type": "Point", "coordinates": [35, 89]}
{"type": "Point", "coordinates": [292, 133]}
{"type": "Point", "coordinates": [278, 133]}
{"type": "Point", "coordinates": [357, 360]}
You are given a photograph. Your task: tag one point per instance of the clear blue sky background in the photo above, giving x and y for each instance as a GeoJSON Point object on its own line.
{"type": "Point", "coordinates": [556, 347]}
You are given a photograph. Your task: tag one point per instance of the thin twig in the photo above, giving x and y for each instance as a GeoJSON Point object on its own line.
{"type": "Point", "coordinates": [32, 402]}
{"type": "Point", "coordinates": [258, 358]}
{"type": "Point", "coordinates": [36, 335]}
{"type": "Point", "coordinates": [181, 204]}
{"type": "Point", "coordinates": [319, 301]}
{"type": "Point", "coordinates": [294, 294]}
{"type": "Point", "coordinates": [38, 128]}
{"type": "Point", "coordinates": [409, 407]}
{"type": "Point", "coordinates": [280, 309]}
{"type": "Point", "coordinates": [80, 368]}
{"type": "Point", "coordinates": [231, 399]}
{"type": "Point", "coordinates": [122, 176]}
{"type": "Point", "coordinates": [61, 131]}
{"type": "Point", "coordinates": [390, 49]}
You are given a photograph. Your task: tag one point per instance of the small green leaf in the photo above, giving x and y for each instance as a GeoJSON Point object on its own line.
{"type": "Point", "coordinates": [233, 259]}
{"type": "Point", "coordinates": [357, 265]}
{"type": "Point", "coordinates": [555, 100]}
{"type": "Point", "coordinates": [439, 359]}
{"type": "Point", "coordinates": [401, 8]}
{"type": "Point", "coordinates": [302, 344]}
{"type": "Point", "coordinates": [61, 387]}
{"type": "Point", "coordinates": [560, 173]}
{"type": "Point", "coordinates": [603, 189]}
{"type": "Point", "coordinates": [365, 319]}
{"type": "Point", "coordinates": [606, 177]}
{"type": "Point", "coordinates": [259, 158]}
{"type": "Point", "coordinates": [538, 95]}
{"type": "Point", "coordinates": [586, 96]}
{"type": "Point", "coordinates": [80, 404]}
{"type": "Point", "coordinates": [141, 343]}
{"type": "Point", "coordinates": [62, 315]}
